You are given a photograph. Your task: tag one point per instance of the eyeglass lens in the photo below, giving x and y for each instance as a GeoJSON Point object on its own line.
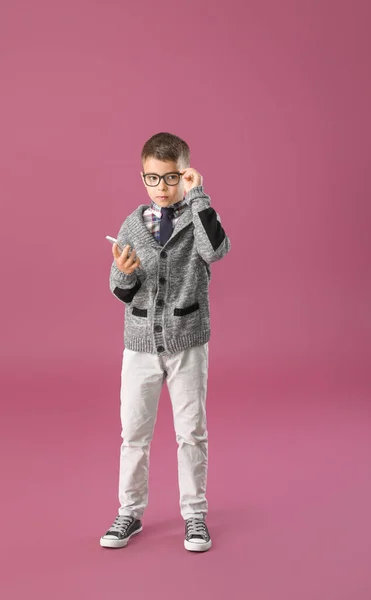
{"type": "Point", "coordinates": [169, 178]}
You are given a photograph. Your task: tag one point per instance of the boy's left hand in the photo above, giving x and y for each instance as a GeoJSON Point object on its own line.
{"type": "Point", "coordinates": [191, 178]}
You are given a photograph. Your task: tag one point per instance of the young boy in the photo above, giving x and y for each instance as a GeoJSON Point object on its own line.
{"type": "Point", "coordinates": [162, 275]}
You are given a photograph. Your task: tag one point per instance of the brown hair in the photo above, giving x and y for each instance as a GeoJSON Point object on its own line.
{"type": "Point", "coordinates": [167, 147]}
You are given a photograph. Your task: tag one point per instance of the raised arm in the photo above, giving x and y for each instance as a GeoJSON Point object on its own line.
{"type": "Point", "coordinates": [211, 240]}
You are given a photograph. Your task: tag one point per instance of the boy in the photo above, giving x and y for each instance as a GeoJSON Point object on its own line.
{"type": "Point", "coordinates": [162, 275]}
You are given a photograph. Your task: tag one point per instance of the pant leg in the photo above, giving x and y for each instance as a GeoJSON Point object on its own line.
{"type": "Point", "coordinates": [142, 378]}
{"type": "Point", "coordinates": [187, 383]}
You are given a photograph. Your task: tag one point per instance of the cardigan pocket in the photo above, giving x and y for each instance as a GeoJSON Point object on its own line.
{"type": "Point", "coordinates": [182, 312]}
{"type": "Point", "coordinates": [139, 312]}
{"type": "Point", "coordinates": [136, 321]}
{"type": "Point", "coordinates": [185, 320]}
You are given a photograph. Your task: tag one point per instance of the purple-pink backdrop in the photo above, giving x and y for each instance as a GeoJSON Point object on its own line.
{"type": "Point", "coordinates": [274, 99]}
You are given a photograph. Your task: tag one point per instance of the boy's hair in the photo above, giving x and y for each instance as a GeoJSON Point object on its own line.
{"type": "Point", "coordinates": [167, 147]}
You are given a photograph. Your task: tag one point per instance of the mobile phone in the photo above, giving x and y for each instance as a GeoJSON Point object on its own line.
{"type": "Point", "coordinates": [114, 241]}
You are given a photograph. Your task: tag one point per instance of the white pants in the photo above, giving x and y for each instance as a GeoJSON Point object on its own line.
{"type": "Point", "coordinates": [142, 378]}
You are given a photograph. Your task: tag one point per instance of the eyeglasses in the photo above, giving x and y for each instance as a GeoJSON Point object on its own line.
{"type": "Point", "coordinates": [152, 179]}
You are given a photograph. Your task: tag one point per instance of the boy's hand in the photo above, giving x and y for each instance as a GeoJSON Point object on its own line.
{"type": "Point", "coordinates": [191, 178]}
{"type": "Point", "coordinates": [125, 263]}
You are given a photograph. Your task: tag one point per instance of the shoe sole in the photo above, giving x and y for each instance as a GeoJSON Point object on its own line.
{"type": "Point", "coordinates": [194, 547]}
{"type": "Point", "coordinates": [115, 543]}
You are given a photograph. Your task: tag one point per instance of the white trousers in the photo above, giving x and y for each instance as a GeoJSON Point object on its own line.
{"type": "Point", "coordinates": [142, 378]}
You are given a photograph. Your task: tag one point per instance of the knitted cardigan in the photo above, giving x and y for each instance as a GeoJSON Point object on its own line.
{"type": "Point", "coordinates": [167, 298]}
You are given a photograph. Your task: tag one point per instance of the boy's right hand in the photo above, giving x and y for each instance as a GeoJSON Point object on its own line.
{"type": "Point", "coordinates": [125, 263]}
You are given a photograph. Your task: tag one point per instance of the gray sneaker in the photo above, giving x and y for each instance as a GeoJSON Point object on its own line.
{"type": "Point", "coordinates": [120, 532]}
{"type": "Point", "coordinates": [197, 537]}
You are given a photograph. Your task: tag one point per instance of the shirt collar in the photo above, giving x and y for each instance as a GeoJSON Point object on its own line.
{"type": "Point", "coordinates": [178, 208]}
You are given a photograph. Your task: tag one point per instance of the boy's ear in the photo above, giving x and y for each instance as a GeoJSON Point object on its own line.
{"type": "Point", "coordinates": [141, 176]}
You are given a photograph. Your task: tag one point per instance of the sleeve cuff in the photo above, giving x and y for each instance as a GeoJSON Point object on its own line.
{"type": "Point", "coordinates": [195, 193]}
{"type": "Point", "coordinates": [122, 278]}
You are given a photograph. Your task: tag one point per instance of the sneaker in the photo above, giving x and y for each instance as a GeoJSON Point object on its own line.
{"type": "Point", "coordinates": [121, 531]}
{"type": "Point", "coordinates": [197, 538]}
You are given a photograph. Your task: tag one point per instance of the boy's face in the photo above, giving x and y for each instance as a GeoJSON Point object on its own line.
{"type": "Point", "coordinates": [163, 194]}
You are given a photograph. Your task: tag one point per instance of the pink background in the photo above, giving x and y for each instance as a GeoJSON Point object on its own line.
{"type": "Point", "coordinates": [274, 100]}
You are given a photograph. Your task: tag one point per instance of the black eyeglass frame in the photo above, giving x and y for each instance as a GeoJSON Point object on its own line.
{"type": "Point", "coordinates": [162, 177]}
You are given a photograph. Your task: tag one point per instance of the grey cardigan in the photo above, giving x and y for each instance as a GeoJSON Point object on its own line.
{"type": "Point", "coordinates": [167, 297]}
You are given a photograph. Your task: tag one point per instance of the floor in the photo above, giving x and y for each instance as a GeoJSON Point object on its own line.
{"type": "Point", "coordinates": [289, 493]}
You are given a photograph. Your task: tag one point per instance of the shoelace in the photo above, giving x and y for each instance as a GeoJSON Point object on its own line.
{"type": "Point", "coordinates": [196, 528]}
{"type": "Point", "coordinates": [121, 523]}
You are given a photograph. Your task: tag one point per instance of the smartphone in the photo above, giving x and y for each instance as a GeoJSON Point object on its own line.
{"type": "Point", "coordinates": [114, 241]}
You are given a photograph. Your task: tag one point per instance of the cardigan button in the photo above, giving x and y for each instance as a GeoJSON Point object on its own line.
{"type": "Point", "coordinates": [163, 254]}
{"type": "Point", "coordinates": [158, 329]}
{"type": "Point", "coordinates": [160, 349]}
{"type": "Point", "coordinates": [160, 302]}
{"type": "Point", "coordinates": [162, 280]}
